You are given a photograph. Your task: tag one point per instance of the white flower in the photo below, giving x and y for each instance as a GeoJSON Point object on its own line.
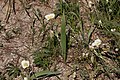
{"type": "Point", "coordinates": [100, 22]}
{"type": "Point", "coordinates": [96, 43]}
{"type": "Point", "coordinates": [110, 10]}
{"type": "Point", "coordinates": [50, 16]}
{"type": "Point", "coordinates": [25, 64]}
{"type": "Point", "coordinates": [107, 1]}
{"type": "Point", "coordinates": [63, 0]}
{"type": "Point", "coordinates": [83, 54]}
{"type": "Point", "coordinates": [74, 74]}
{"type": "Point", "coordinates": [113, 30]}
{"type": "Point", "coordinates": [25, 78]}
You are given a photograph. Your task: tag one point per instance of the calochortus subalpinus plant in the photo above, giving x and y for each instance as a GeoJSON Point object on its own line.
{"type": "Point", "coordinates": [74, 38]}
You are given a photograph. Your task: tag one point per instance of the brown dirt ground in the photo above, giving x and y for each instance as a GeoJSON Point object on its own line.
{"type": "Point", "coordinates": [17, 46]}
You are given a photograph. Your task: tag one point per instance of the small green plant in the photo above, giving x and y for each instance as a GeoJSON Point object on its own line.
{"type": "Point", "coordinates": [2, 77]}
{"type": "Point", "coordinates": [105, 17]}
{"type": "Point", "coordinates": [42, 57]}
{"type": "Point", "coordinates": [110, 10]}
{"type": "Point", "coordinates": [109, 23]}
{"type": "Point", "coordinates": [44, 74]}
{"type": "Point", "coordinates": [71, 24]}
{"type": "Point", "coordinates": [9, 35]}
{"type": "Point", "coordinates": [98, 60]}
{"type": "Point", "coordinates": [12, 70]}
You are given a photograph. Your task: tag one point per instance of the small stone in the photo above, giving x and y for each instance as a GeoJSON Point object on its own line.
{"type": "Point", "coordinates": [1, 45]}
{"type": "Point", "coordinates": [116, 49]}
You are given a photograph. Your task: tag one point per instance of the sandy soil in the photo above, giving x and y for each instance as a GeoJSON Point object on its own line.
{"type": "Point", "coordinates": [16, 38]}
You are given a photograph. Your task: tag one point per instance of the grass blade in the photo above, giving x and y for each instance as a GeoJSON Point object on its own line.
{"type": "Point", "coordinates": [63, 37]}
{"type": "Point", "coordinates": [90, 33]}
{"type": "Point", "coordinates": [44, 73]}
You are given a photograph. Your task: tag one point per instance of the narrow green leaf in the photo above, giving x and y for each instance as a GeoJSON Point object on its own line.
{"type": "Point", "coordinates": [90, 33]}
{"type": "Point", "coordinates": [63, 37]}
{"type": "Point", "coordinates": [43, 73]}
{"type": "Point", "coordinates": [116, 33]}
